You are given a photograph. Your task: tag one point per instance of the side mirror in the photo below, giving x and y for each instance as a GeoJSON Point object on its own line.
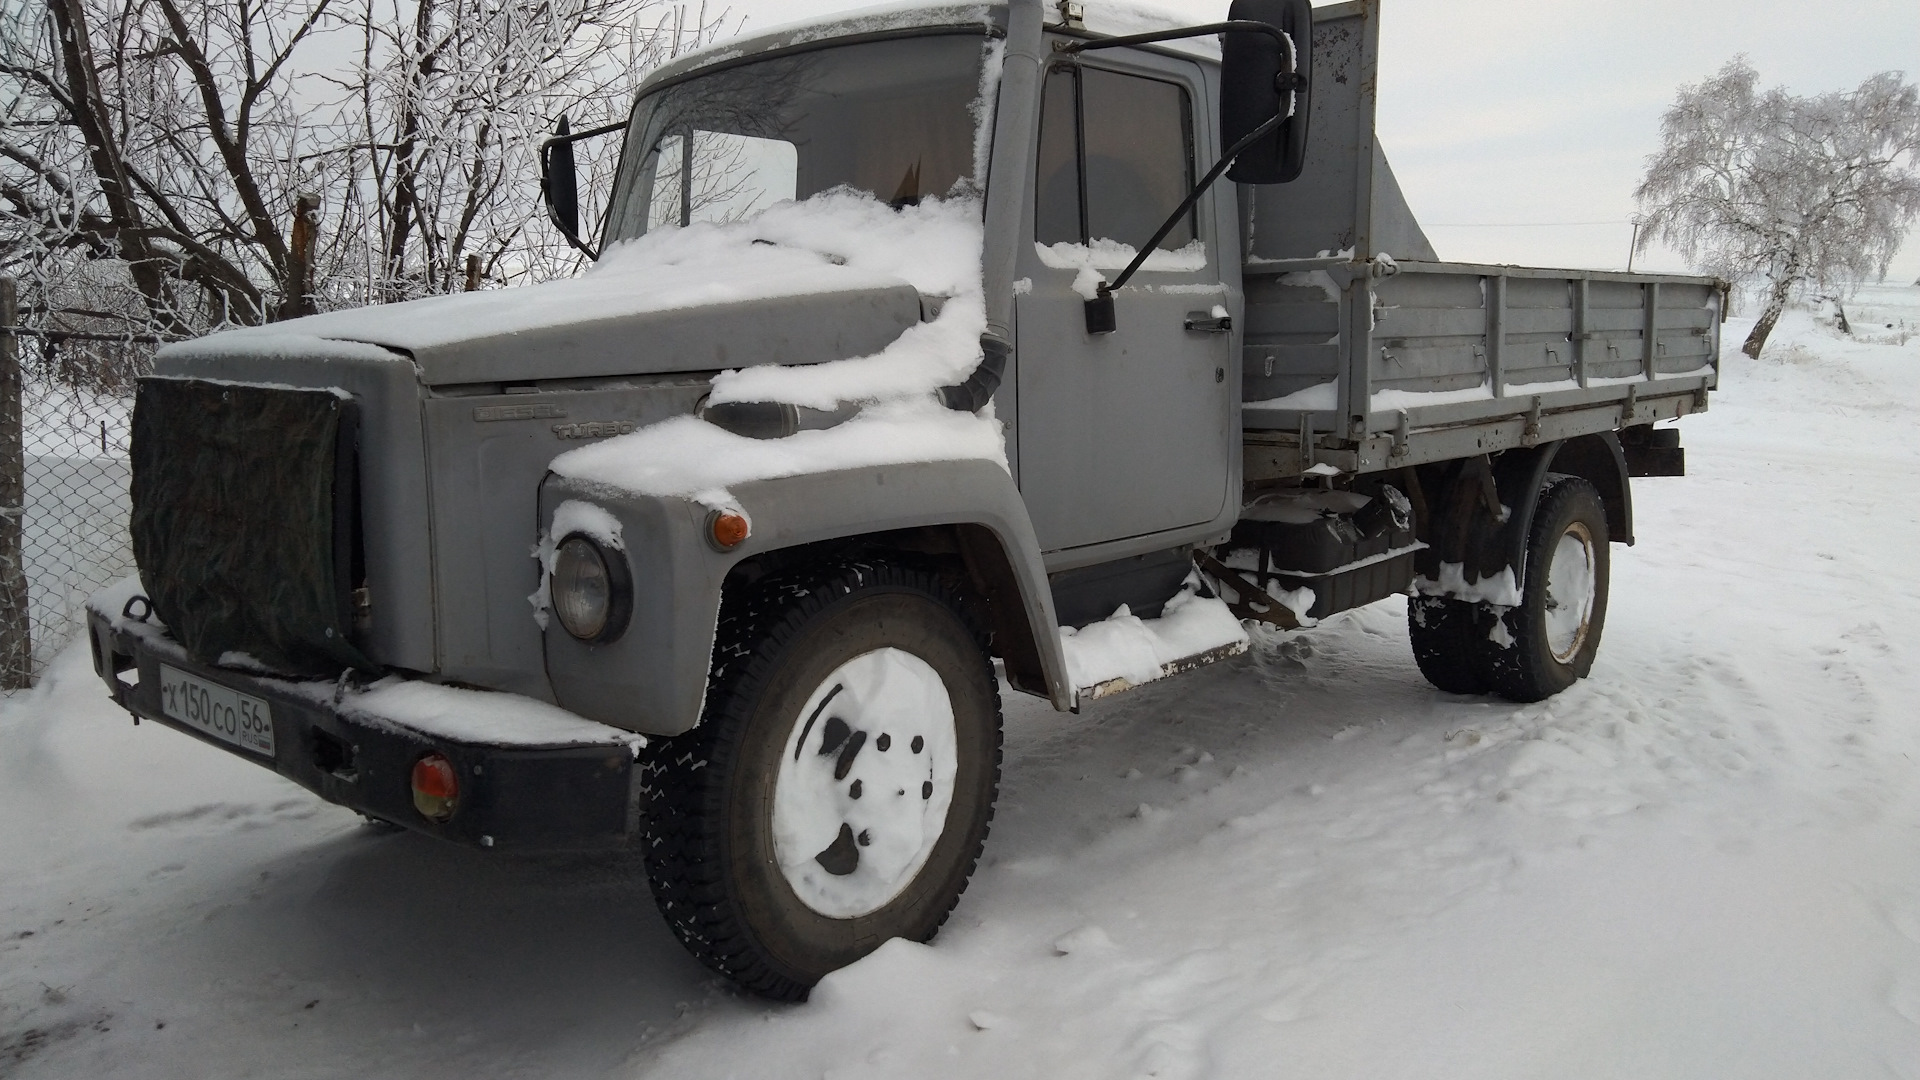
{"type": "Point", "coordinates": [558, 184]}
{"type": "Point", "coordinates": [1258, 80]}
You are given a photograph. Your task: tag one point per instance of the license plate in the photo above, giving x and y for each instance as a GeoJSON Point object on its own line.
{"type": "Point", "coordinates": [227, 715]}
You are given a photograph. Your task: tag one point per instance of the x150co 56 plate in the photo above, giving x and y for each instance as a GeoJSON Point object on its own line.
{"type": "Point", "coordinates": [227, 715]}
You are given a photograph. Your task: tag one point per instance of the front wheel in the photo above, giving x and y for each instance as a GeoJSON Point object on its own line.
{"type": "Point", "coordinates": [1548, 642]}
{"type": "Point", "coordinates": [838, 789]}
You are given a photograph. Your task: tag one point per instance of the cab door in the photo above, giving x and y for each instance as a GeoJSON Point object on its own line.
{"type": "Point", "coordinates": [1123, 434]}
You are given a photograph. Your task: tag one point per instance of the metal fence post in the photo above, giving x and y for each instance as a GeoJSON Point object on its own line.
{"type": "Point", "coordinates": [16, 637]}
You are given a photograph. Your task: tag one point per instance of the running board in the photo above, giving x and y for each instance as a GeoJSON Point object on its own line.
{"type": "Point", "coordinates": [1173, 667]}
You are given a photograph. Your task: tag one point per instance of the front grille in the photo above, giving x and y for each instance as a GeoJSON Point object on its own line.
{"type": "Point", "coordinates": [245, 521]}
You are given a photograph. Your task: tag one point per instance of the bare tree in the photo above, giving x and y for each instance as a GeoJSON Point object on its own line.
{"type": "Point", "coordinates": [171, 166]}
{"type": "Point", "coordinates": [1791, 193]}
{"type": "Point", "coordinates": [453, 100]}
{"type": "Point", "coordinates": [169, 138]}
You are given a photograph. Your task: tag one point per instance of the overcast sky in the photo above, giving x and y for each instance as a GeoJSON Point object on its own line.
{"type": "Point", "coordinates": [1518, 128]}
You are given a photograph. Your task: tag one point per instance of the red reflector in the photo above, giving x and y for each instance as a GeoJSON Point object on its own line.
{"type": "Point", "coordinates": [433, 777]}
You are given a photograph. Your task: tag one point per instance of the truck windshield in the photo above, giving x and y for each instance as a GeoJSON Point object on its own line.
{"type": "Point", "coordinates": [894, 118]}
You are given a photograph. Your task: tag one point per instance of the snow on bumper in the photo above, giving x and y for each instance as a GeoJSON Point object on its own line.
{"type": "Point", "coordinates": [532, 777]}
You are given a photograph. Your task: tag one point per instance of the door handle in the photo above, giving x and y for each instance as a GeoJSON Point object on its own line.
{"type": "Point", "coordinates": [1201, 322]}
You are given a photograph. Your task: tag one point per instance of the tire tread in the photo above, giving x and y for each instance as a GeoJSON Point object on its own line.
{"type": "Point", "coordinates": [684, 817]}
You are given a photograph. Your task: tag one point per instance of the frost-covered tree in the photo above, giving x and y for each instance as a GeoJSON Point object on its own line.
{"type": "Point", "coordinates": [172, 166]}
{"type": "Point", "coordinates": [452, 99]}
{"type": "Point", "coordinates": [1789, 193]}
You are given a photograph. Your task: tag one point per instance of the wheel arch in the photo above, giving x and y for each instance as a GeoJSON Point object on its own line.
{"type": "Point", "coordinates": [1521, 475]}
{"type": "Point", "coordinates": [974, 552]}
{"type": "Point", "coordinates": [1599, 460]}
{"type": "Point", "coordinates": [653, 679]}
{"type": "Point", "coordinates": [1465, 526]}
{"type": "Point", "coordinates": [967, 511]}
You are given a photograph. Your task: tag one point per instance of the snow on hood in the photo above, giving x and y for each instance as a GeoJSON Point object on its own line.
{"type": "Point", "coordinates": [707, 267]}
{"type": "Point", "coordinates": [936, 247]}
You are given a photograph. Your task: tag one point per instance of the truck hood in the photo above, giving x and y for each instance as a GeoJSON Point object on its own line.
{"type": "Point", "coordinates": [720, 308]}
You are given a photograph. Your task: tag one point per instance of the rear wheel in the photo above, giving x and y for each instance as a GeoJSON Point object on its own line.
{"type": "Point", "coordinates": [1449, 638]}
{"type": "Point", "coordinates": [1548, 642]}
{"type": "Point", "coordinates": [838, 790]}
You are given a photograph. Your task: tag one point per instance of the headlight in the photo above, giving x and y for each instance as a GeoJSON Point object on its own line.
{"type": "Point", "coordinates": [592, 591]}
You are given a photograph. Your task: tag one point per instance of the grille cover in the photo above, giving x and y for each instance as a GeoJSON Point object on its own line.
{"type": "Point", "coordinates": [244, 506]}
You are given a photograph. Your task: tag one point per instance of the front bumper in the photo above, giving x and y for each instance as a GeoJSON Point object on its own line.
{"type": "Point", "coordinates": [515, 796]}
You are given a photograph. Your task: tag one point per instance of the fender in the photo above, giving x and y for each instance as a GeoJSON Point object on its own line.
{"type": "Point", "coordinates": [1465, 529]}
{"type": "Point", "coordinates": [652, 678]}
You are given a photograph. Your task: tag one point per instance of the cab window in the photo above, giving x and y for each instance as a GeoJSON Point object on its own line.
{"type": "Point", "coordinates": [1115, 158]}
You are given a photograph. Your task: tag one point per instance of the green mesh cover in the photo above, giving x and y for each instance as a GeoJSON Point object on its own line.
{"type": "Point", "coordinates": [243, 520]}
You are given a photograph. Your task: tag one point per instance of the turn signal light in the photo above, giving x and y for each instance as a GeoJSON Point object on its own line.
{"type": "Point", "coordinates": [728, 529]}
{"type": "Point", "coordinates": [436, 787]}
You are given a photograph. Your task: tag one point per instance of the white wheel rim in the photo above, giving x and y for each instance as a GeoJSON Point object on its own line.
{"type": "Point", "coordinates": [1570, 588]}
{"type": "Point", "coordinates": [864, 782]}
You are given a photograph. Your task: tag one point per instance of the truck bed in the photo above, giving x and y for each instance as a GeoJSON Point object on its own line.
{"type": "Point", "coordinates": [1377, 365]}
{"type": "Point", "coordinates": [1365, 351]}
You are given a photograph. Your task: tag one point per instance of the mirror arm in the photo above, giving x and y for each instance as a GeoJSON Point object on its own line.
{"type": "Point", "coordinates": [1193, 196]}
{"type": "Point", "coordinates": [1100, 318]}
{"type": "Point", "coordinates": [546, 171]}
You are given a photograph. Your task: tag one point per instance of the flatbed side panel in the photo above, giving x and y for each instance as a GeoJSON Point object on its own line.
{"type": "Point", "coordinates": [1457, 344]}
{"type": "Point", "coordinates": [1292, 336]}
{"type": "Point", "coordinates": [1439, 333]}
{"type": "Point", "coordinates": [1431, 333]}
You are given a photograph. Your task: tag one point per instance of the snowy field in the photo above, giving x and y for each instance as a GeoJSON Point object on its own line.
{"type": "Point", "coordinates": [1704, 861]}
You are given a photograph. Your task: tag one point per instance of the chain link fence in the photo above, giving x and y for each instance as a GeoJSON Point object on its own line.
{"type": "Point", "coordinates": [64, 475]}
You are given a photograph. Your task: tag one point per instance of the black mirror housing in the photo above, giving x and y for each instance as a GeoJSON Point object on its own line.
{"type": "Point", "coordinates": [558, 183]}
{"type": "Point", "coordinates": [1258, 80]}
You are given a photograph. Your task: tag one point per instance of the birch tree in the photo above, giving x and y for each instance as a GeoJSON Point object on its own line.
{"type": "Point", "coordinates": [1791, 194]}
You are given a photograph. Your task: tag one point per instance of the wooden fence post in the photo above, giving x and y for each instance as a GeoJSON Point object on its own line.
{"type": "Point", "coordinates": [16, 634]}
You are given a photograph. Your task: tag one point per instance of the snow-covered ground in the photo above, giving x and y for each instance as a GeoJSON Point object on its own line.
{"type": "Point", "coordinates": [1704, 861]}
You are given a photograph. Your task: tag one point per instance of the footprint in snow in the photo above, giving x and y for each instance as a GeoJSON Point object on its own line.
{"type": "Point", "coordinates": [1085, 939]}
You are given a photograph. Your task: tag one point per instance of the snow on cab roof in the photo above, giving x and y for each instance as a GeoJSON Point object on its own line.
{"type": "Point", "coordinates": [868, 20]}
{"type": "Point", "coordinates": [1103, 18]}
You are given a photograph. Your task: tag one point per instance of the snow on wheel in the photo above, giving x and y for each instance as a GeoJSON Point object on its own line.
{"type": "Point", "coordinates": [838, 788]}
{"type": "Point", "coordinates": [864, 783]}
{"type": "Point", "coordinates": [1570, 590]}
{"type": "Point", "coordinates": [1548, 642]}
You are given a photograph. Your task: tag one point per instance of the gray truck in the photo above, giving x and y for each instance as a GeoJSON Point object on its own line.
{"type": "Point", "coordinates": [1223, 375]}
